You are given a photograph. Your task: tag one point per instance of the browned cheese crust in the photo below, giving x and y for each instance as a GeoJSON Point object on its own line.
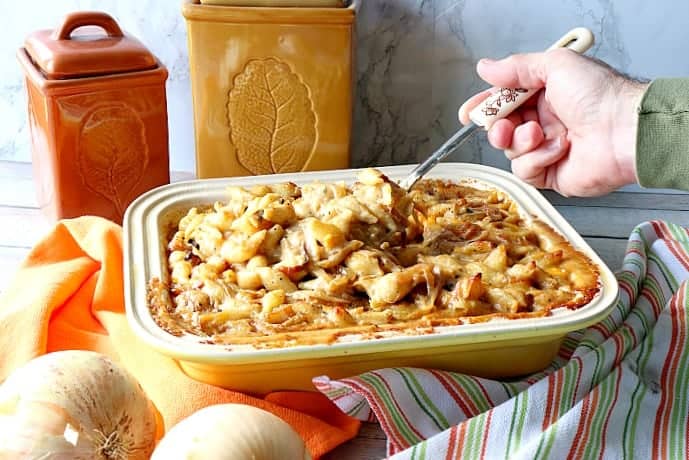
{"type": "Point", "coordinates": [284, 265]}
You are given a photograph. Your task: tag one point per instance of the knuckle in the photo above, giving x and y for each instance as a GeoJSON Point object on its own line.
{"type": "Point", "coordinates": [559, 56]}
{"type": "Point", "coordinates": [524, 170]}
{"type": "Point", "coordinates": [512, 59]}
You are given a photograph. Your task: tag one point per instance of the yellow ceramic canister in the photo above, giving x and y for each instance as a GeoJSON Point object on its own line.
{"type": "Point", "coordinates": [271, 87]}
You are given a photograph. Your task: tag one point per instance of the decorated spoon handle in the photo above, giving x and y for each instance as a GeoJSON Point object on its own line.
{"type": "Point", "coordinates": [504, 101]}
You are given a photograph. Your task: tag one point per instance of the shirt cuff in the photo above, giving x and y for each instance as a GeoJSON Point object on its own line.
{"type": "Point", "coordinates": [662, 141]}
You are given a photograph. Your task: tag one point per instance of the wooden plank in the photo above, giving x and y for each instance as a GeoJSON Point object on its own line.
{"type": "Point", "coordinates": [23, 170]}
{"type": "Point", "coordinates": [18, 191]}
{"type": "Point", "coordinates": [17, 185]}
{"type": "Point", "coordinates": [616, 222]}
{"type": "Point", "coordinates": [611, 250]}
{"type": "Point", "coordinates": [15, 169]}
{"type": "Point", "coordinates": [634, 188]}
{"type": "Point", "coordinates": [23, 226]}
{"type": "Point", "coordinates": [179, 176]}
{"type": "Point", "coordinates": [624, 200]}
{"type": "Point", "coordinates": [18, 204]}
{"type": "Point", "coordinates": [368, 445]}
{"type": "Point", "coordinates": [10, 258]}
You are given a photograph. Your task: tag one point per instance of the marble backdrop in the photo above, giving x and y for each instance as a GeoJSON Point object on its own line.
{"type": "Point", "coordinates": [415, 61]}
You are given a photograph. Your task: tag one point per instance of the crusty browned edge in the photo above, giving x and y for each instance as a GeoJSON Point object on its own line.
{"type": "Point", "coordinates": [570, 251]}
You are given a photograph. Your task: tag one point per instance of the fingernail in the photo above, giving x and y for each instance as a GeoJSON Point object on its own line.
{"type": "Point", "coordinates": [486, 61]}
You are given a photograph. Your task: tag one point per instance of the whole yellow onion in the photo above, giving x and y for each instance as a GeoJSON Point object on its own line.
{"type": "Point", "coordinates": [75, 405]}
{"type": "Point", "coordinates": [231, 432]}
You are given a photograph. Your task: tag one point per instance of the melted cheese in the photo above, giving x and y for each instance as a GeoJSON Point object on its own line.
{"type": "Point", "coordinates": [284, 265]}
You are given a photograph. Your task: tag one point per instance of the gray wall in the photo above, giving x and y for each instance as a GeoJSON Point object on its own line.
{"type": "Point", "coordinates": [415, 61]}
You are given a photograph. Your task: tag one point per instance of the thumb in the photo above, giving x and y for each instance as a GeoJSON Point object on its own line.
{"type": "Point", "coordinates": [516, 71]}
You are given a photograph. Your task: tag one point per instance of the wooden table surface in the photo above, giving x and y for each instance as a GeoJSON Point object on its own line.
{"type": "Point", "coordinates": [605, 223]}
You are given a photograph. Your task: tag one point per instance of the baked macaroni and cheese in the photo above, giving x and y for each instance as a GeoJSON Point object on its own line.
{"type": "Point", "coordinates": [283, 265]}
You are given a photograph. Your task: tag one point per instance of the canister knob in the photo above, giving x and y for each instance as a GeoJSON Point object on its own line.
{"type": "Point", "coordinates": [87, 18]}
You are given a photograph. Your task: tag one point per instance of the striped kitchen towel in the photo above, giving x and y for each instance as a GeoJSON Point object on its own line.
{"type": "Point", "coordinates": [619, 389]}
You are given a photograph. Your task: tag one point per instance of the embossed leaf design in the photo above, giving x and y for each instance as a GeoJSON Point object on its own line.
{"type": "Point", "coordinates": [272, 122]}
{"type": "Point", "coordinates": [112, 153]}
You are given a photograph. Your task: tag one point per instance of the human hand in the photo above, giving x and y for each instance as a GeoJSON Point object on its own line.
{"type": "Point", "coordinates": [578, 136]}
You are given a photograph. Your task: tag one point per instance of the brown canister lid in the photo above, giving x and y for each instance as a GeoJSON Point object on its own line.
{"type": "Point", "coordinates": [70, 53]}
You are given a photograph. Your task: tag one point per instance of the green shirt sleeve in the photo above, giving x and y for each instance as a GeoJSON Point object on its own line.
{"type": "Point", "coordinates": [662, 142]}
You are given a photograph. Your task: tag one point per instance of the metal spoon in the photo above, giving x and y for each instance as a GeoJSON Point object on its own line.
{"type": "Point", "coordinates": [501, 103]}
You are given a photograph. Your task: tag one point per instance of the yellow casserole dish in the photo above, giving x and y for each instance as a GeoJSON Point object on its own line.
{"type": "Point", "coordinates": [495, 348]}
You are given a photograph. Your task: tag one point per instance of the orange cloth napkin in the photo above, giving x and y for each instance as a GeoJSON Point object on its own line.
{"type": "Point", "coordinates": [68, 294]}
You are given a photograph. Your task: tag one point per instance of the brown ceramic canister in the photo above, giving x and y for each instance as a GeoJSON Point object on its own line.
{"type": "Point", "coordinates": [97, 117]}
